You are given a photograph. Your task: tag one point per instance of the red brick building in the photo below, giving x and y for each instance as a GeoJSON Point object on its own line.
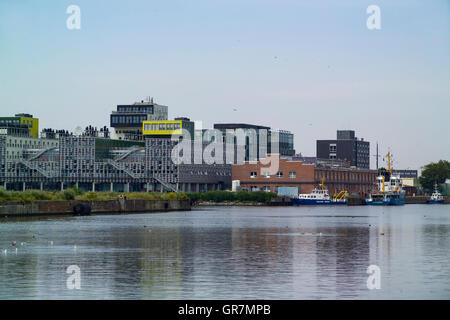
{"type": "Point", "coordinates": [288, 173]}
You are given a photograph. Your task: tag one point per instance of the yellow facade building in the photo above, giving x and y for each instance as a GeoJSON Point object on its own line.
{"type": "Point", "coordinates": [22, 120]}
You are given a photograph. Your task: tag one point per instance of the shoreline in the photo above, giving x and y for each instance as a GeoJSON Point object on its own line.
{"type": "Point", "coordinates": [352, 201]}
{"type": "Point", "coordinates": [82, 207]}
{"type": "Point", "coordinates": [98, 207]}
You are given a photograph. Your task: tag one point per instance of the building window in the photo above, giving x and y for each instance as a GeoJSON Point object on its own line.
{"type": "Point", "coordinates": [333, 147]}
{"type": "Point", "coordinates": [266, 188]}
{"type": "Point", "coordinates": [253, 174]}
{"type": "Point", "coordinates": [292, 174]}
{"type": "Point", "coordinates": [332, 155]}
{"type": "Point", "coordinates": [266, 175]}
{"type": "Point", "coordinates": [279, 174]}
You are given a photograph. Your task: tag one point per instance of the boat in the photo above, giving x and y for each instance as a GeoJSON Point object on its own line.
{"type": "Point", "coordinates": [389, 189]}
{"type": "Point", "coordinates": [319, 196]}
{"type": "Point", "coordinates": [436, 196]}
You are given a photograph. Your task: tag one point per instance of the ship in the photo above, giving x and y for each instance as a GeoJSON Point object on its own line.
{"type": "Point", "coordinates": [389, 189]}
{"type": "Point", "coordinates": [436, 196]}
{"type": "Point", "coordinates": [319, 196]}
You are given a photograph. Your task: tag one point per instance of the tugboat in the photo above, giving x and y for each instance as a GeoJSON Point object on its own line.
{"type": "Point", "coordinates": [436, 197]}
{"type": "Point", "coordinates": [390, 189]}
{"type": "Point", "coordinates": [319, 197]}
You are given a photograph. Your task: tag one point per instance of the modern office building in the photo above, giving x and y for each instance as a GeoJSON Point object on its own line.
{"type": "Point", "coordinates": [405, 173]}
{"type": "Point", "coordinates": [19, 124]}
{"type": "Point", "coordinates": [166, 128]}
{"type": "Point", "coordinates": [258, 140]}
{"type": "Point", "coordinates": [92, 161]}
{"type": "Point", "coordinates": [195, 174]}
{"type": "Point", "coordinates": [286, 143]}
{"type": "Point", "coordinates": [127, 119]}
{"type": "Point", "coordinates": [17, 152]}
{"type": "Point", "coordinates": [346, 147]}
{"type": "Point", "coordinates": [410, 180]}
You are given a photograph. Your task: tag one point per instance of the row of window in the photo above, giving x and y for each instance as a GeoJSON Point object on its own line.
{"type": "Point", "coordinates": [15, 122]}
{"type": "Point", "coordinates": [346, 176]}
{"type": "Point", "coordinates": [162, 126]}
{"type": "Point", "coordinates": [135, 108]}
{"type": "Point", "coordinates": [264, 188]}
{"type": "Point", "coordinates": [205, 173]}
{"type": "Point", "coordinates": [279, 174]}
{"type": "Point", "coordinates": [116, 119]}
{"type": "Point", "coordinates": [18, 143]}
{"type": "Point", "coordinates": [12, 122]}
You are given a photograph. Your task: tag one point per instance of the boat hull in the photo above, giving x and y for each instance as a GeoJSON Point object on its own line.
{"type": "Point", "coordinates": [429, 201]}
{"type": "Point", "coordinates": [387, 201]}
{"type": "Point", "coordinates": [315, 202]}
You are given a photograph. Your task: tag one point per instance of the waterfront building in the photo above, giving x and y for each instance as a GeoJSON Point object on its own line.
{"type": "Point", "coordinates": [258, 140]}
{"type": "Point", "coordinates": [20, 124]}
{"type": "Point", "coordinates": [410, 180]}
{"type": "Point", "coordinates": [405, 173]}
{"type": "Point", "coordinates": [167, 128]}
{"type": "Point", "coordinates": [193, 175]}
{"type": "Point", "coordinates": [127, 119]}
{"type": "Point", "coordinates": [305, 176]}
{"type": "Point", "coordinates": [346, 147]}
{"type": "Point", "coordinates": [18, 149]}
{"type": "Point", "coordinates": [94, 162]}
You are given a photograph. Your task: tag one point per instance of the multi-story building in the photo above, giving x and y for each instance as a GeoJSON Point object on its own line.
{"type": "Point", "coordinates": [17, 153]}
{"type": "Point", "coordinates": [166, 128]}
{"type": "Point", "coordinates": [19, 123]}
{"type": "Point", "coordinates": [346, 147]}
{"type": "Point", "coordinates": [410, 180]}
{"type": "Point", "coordinates": [258, 140]}
{"type": "Point", "coordinates": [127, 119]}
{"type": "Point", "coordinates": [303, 176]}
{"type": "Point", "coordinates": [195, 174]}
{"type": "Point", "coordinates": [92, 161]}
{"type": "Point", "coordinates": [286, 143]}
{"type": "Point", "coordinates": [405, 173]}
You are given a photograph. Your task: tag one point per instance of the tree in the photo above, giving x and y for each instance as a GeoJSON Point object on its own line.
{"type": "Point", "coordinates": [434, 173]}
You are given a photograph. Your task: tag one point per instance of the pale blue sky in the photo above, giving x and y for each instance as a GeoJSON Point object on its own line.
{"type": "Point", "coordinates": [310, 67]}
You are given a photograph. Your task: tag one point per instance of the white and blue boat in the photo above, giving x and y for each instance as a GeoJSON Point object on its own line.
{"type": "Point", "coordinates": [319, 197]}
{"type": "Point", "coordinates": [436, 196]}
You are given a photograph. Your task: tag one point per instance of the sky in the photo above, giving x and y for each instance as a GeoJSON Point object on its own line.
{"type": "Point", "coordinates": [310, 67]}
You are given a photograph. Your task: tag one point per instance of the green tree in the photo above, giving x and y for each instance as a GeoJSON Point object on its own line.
{"type": "Point", "coordinates": [434, 173]}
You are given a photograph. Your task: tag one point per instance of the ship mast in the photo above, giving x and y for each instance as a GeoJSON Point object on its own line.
{"type": "Point", "coordinates": [389, 162]}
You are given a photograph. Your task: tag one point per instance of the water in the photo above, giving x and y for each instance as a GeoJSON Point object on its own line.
{"type": "Point", "coordinates": [232, 253]}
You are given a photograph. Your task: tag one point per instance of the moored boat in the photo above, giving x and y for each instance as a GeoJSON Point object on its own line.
{"type": "Point", "coordinates": [319, 197]}
{"type": "Point", "coordinates": [436, 196]}
{"type": "Point", "coordinates": [389, 189]}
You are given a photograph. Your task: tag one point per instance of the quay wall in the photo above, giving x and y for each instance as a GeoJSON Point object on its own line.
{"type": "Point", "coordinates": [422, 200]}
{"type": "Point", "coordinates": [51, 207]}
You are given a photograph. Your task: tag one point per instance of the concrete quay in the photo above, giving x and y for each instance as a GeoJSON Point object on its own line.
{"type": "Point", "coordinates": [71, 207]}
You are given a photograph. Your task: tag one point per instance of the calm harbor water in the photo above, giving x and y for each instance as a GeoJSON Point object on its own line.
{"type": "Point", "coordinates": [231, 253]}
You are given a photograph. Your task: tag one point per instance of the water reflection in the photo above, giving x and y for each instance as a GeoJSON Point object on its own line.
{"type": "Point", "coordinates": [231, 253]}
